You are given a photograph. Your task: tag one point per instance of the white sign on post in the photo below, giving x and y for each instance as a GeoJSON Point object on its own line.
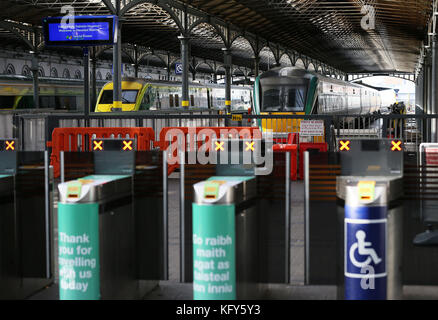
{"type": "Point", "coordinates": [312, 128]}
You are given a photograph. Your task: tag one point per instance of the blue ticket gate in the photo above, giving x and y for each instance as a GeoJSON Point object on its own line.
{"type": "Point", "coordinates": [370, 222]}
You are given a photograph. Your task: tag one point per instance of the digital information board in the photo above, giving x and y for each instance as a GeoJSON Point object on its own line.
{"type": "Point", "coordinates": [80, 30]}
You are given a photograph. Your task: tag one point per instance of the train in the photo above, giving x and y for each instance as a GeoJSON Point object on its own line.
{"type": "Point", "coordinates": [140, 95]}
{"type": "Point", "coordinates": [16, 93]}
{"type": "Point", "coordinates": [294, 91]}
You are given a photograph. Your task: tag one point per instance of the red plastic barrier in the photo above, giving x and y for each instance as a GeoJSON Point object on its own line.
{"type": "Point", "coordinates": [320, 146]}
{"type": "Point", "coordinates": [293, 138]}
{"type": "Point", "coordinates": [292, 148]}
{"type": "Point", "coordinates": [66, 139]}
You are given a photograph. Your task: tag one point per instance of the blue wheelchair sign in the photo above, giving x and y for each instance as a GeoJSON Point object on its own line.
{"type": "Point", "coordinates": [364, 247]}
{"type": "Point", "coordinates": [178, 68]}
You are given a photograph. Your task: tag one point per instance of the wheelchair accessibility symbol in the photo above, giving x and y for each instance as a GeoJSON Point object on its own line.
{"type": "Point", "coordinates": [364, 249]}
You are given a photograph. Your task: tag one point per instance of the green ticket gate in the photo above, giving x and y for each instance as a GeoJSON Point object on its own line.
{"type": "Point", "coordinates": [95, 238]}
{"type": "Point", "coordinates": [109, 248]}
{"type": "Point", "coordinates": [225, 250]}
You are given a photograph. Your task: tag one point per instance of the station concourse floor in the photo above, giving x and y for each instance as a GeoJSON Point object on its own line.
{"type": "Point", "coordinates": [295, 290]}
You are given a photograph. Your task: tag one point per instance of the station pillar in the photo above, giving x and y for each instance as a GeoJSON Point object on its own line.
{"type": "Point", "coordinates": [256, 66]}
{"type": "Point", "coordinates": [429, 93]}
{"type": "Point", "coordinates": [36, 99]}
{"type": "Point", "coordinates": [434, 109]}
{"type": "Point", "coordinates": [117, 65]}
{"type": "Point", "coordinates": [94, 82]}
{"type": "Point", "coordinates": [227, 66]}
{"type": "Point", "coordinates": [86, 81]}
{"type": "Point", "coordinates": [185, 70]}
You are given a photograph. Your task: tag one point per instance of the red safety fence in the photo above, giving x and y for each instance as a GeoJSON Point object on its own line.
{"type": "Point", "coordinates": [77, 139]}
{"type": "Point", "coordinates": [305, 146]}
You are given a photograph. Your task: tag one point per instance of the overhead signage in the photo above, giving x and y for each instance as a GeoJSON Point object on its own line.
{"type": "Point", "coordinates": [80, 31]}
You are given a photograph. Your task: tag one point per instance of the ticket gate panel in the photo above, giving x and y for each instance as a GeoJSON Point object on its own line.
{"type": "Point", "coordinates": [218, 197]}
{"type": "Point", "coordinates": [111, 196]}
{"type": "Point", "coordinates": [9, 260]}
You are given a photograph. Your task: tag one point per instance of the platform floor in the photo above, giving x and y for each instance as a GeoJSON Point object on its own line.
{"type": "Point", "coordinates": [296, 290]}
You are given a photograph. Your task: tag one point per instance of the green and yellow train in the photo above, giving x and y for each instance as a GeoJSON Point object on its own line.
{"type": "Point", "coordinates": [139, 95]}
{"type": "Point", "coordinates": [294, 91]}
{"type": "Point", "coordinates": [16, 93]}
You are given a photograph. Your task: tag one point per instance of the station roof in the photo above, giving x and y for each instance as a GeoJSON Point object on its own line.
{"type": "Point", "coordinates": [324, 33]}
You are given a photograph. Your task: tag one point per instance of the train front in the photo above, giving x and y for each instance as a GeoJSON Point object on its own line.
{"type": "Point", "coordinates": [284, 91]}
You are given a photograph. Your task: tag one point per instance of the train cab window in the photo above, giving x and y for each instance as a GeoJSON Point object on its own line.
{"type": "Point", "coordinates": [176, 100]}
{"type": "Point", "coordinates": [295, 99]}
{"type": "Point", "coordinates": [47, 102]}
{"type": "Point", "coordinates": [25, 102]}
{"type": "Point", "coordinates": [171, 100]}
{"type": "Point", "coordinates": [271, 100]}
{"type": "Point", "coordinates": [128, 96]}
{"type": "Point", "coordinates": [7, 102]}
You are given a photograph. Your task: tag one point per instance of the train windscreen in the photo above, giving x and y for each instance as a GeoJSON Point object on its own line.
{"type": "Point", "coordinates": [283, 94]}
{"type": "Point", "coordinates": [286, 98]}
{"type": "Point", "coordinates": [128, 96]}
{"type": "Point", "coordinates": [7, 102]}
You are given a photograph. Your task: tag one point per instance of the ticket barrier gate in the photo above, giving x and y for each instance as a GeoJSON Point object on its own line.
{"type": "Point", "coordinates": [370, 221]}
{"type": "Point", "coordinates": [9, 262]}
{"type": "Point", "coordinates": [99, 252]}
{"type": "Point", "coordinates": [429, 207]}
{"type": "Point", "coordinates": [26, 253]}
{"type": "Point", "coordinates": [225, 250]}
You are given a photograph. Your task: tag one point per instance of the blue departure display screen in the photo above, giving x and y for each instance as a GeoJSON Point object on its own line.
{"type": "Point", "coordinates": [79, 31]}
